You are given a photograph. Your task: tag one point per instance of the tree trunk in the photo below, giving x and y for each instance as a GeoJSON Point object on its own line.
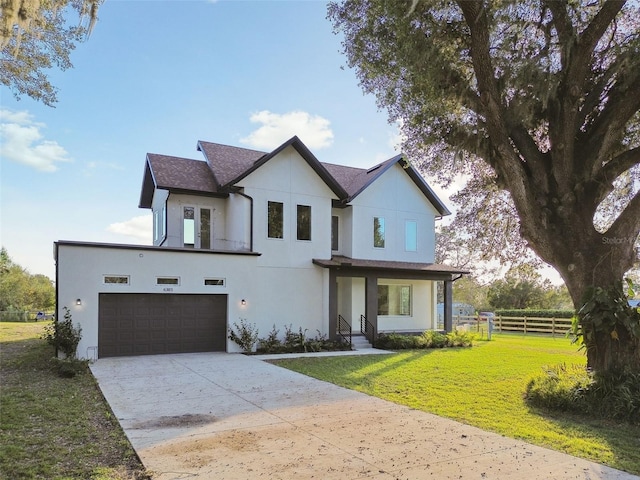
{"type": "Point", "coordinates": [588, 262]}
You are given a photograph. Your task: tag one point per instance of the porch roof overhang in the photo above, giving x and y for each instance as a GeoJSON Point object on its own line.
{"type": "Point", "coordinates": [385, 268]}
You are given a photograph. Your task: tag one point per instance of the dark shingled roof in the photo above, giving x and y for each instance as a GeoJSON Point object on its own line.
{"type": "Point", "coordinates": [338, 261]}
{"type": "Point", "coordinates": [175, 174]}
{"type": "Point", "coordinates": [226, 165]}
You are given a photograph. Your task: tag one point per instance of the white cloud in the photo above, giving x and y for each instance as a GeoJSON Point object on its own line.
{"type": "Point", "coordinates": [22, 142]}
{"type": "Point", "coordinates": [277, 128]}
{"type": "Point", "coordinates": [140, 228]}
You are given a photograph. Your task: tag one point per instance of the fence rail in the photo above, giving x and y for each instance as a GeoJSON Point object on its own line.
{"type": "Point", "coordinates": [25, 315]}
{"type": "Point", "coordinates": [553, 325]}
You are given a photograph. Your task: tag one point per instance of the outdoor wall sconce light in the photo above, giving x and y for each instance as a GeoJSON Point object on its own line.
{"type": "Point", "coordinates": [78, 302]}
{"type": "Point", "coordinates": [243, 302]}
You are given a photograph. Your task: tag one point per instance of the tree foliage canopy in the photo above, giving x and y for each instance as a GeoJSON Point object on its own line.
{"type": "Point", "coordinates": [536, 102]}
{"type": "Point", "coordinates": [22, 291]}
{"type": "Point", "coordinates": [34, 37]}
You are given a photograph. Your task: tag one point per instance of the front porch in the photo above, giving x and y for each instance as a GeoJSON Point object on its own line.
{"type": "Point", "coordinates": [386, 296]}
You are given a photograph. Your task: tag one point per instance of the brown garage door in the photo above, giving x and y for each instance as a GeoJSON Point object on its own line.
{"type": "Point", "coordinates": [148, 324]}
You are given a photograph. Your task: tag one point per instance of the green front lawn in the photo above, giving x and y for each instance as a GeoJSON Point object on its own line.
{"type": "Point", "coordinates": [53, 427]}
{"type": "Point", "coordinates": [483, 386]}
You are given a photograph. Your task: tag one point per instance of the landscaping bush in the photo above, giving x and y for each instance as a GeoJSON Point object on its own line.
{"type": "Point", "coordinates": [298, 342]}
{"type": "Point", "coordinates": [246, 337]}
{"type": "Point", "coordinates": [63, 335]}
{"type": "Point", "coordinates": [428, 339]}
{"type": "Point", "coordinates": [614, 396]}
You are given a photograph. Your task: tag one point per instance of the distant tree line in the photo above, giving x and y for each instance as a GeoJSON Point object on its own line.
{"type": "Point", "coordinates": [521, 287]}
{"type": "Point", "coordinates": [22, 291]}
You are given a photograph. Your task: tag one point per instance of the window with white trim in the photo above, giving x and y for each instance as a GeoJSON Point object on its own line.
{"type": "Point", "coordinates": [214, 282]}
{"type": "Point", "coordinates": [167, 280]}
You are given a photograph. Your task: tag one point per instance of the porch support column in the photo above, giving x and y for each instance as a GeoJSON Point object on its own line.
{"type": "Point", "coordinates": [371, 300]}
{"type": "Point", "coordinates": [333, 305]}
{"type": "Point", "coordinates": [448, 306]}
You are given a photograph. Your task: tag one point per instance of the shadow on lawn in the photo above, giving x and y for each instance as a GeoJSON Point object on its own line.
{"type": "Point", "coordinates": [622, 438]}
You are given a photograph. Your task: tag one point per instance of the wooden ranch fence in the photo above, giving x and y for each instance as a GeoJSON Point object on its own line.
{"type": "Point", "coordinates": [554, 326]}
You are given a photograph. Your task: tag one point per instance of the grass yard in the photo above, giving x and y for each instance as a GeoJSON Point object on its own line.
{"type": "Point", "coordinates": [53, 427]}
{"type": "Point", "coordinates": [483, 386]}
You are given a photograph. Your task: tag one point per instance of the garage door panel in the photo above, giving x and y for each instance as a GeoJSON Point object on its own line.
{"type": "Point", "coordinates": [146, 324]}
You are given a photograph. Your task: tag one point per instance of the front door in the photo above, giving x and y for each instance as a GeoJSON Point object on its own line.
{"type": "Point", "coordinates": [197, 228]}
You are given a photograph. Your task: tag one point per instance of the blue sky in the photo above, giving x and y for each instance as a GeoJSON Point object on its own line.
{"type": "Point", "coordinates": [157, 76]}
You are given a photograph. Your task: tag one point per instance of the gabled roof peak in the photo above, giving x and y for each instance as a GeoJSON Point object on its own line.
{"type": "Point", "coordinates": [227, 165]}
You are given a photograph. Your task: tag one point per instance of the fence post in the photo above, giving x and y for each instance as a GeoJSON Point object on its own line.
{"type": "Point", "coordinates": [553, 326]}
{"type": "Point", "coordinates": [500, 323]}
{"type": "Point", "coordinates": [525, 324]}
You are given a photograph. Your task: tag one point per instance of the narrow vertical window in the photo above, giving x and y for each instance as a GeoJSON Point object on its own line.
{"type": "Point", "coordinates": [156, 226]}
{"type": "Point", "coordinates": [334, 233]}
{"type": "Point", "coordinates": [378, 232]}
{"type": "Point", "coordinates": [205, 228]}
{"type": "Point", "coordinates": [163, 221]}
{"type": "Point", "coordinates": [275, 214]}
{"type": "Point", "coordinates": [304, 222]}
{"type": "Point", "coordinates": [411, 236]}
{"type": "Point", "coordinates": [189, 227]}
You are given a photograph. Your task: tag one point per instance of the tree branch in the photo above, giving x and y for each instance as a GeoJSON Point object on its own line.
{"type": "Point", "coordinates": [605, 133]}
{"type": "Point", "coordinates": [627, 225]}
{"type": "Point", "coordinates": [507, 163]}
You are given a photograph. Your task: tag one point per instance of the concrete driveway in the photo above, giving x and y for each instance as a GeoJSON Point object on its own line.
{"type": "Point", "coordinates": [231, 416]}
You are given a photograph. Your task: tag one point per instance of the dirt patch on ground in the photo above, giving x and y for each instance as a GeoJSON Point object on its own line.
{"type": "Point", "coordinates": [198, 452]}
{"type": "Point", "coordinates": [177, 421]}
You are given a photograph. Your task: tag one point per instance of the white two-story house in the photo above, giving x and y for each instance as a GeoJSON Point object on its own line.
{"type": "Point", "coordinates": [275, 238]}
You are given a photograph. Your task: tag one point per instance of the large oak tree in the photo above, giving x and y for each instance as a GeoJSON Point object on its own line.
{"type": "Point", "coordinates": [538, 102]}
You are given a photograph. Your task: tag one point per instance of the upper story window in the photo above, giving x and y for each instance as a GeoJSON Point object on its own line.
{"type": "Point", "coordinates": [189, 227]}
{"type": "Point", "coordinates": [197, 227]}
{"type": "Point", "coordinates": [334, 233]}
{"type": "Point", "coordinates": [378, 232]}
{"type": "Point", "coordinates": [411, 236]}
{"type": "Point", "coordinates": [304, 222]}
{"type": "Point", "coordinates": [275, 219]}
{"type": "Point", "coordinates": [167, 281]}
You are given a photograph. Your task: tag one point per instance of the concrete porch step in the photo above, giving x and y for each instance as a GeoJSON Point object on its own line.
{"type": "Point", "coordinates": [360, 342]}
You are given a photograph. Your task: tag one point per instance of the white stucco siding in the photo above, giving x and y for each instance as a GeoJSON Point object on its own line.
{"type": "Point", "coordinates": [422, 308]}
{"type": "Point", "coordinates": [288, 178]}
{"type": "Point", "coordinates": [273, 295]}
{"type": "Point", "coordinates": [237, 224]}
{"type": "Point", "coordinates": [397, 199]}
{"type": "Point", "coordinates": [345, 230]}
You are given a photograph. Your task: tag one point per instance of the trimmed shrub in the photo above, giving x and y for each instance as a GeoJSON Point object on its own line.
{"type": "Point", "coordinates": [428, 339]}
